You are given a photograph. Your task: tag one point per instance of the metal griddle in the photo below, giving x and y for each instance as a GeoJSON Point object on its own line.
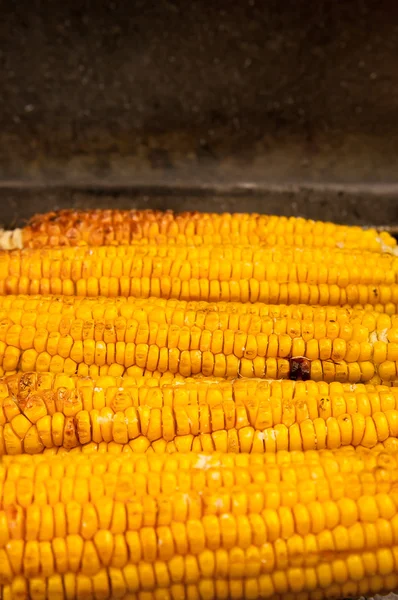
{"type": "Point", "coordinates": [289, 108]}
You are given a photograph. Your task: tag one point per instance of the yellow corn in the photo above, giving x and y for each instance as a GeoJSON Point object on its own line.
{"type": "Point", "coordinates": [204, 415]}
{"type": "Point", "coordinates": [273, 275]}
{"type": "Point", "coordinates": [324, 343]}
{"type": "Point", "coordinates": [99, 227]}
{"type": "Point", "coordinates": [291, 525]}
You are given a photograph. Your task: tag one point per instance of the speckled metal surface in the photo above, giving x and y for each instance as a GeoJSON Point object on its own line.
{"type": "Point", "coordinates": [246, 91]}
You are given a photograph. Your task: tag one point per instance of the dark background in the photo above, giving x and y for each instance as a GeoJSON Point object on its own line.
{"type": "Point", "coordinates": [289, 107]}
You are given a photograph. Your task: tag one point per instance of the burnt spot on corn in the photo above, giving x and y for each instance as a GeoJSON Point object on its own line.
{"type": "Point", "coordinates": [69, 430]}
{"type": "Point", "coordinates": [300, 368]}
{"type": "Point", "coordinates": [322, 404]}
{"type": "Point", "coordinates": [27, 383]}
{"type": "Point", "coordinates": [72, 234]}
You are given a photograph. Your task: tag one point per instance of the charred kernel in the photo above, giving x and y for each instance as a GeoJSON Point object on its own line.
{"type": "Point", "coordinates": [300, 369]}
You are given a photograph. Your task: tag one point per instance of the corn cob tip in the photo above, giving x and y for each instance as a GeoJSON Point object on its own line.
{"type": "Point", "coordinates": [11, 239]}
{"type": "Point", "coordinates": [383, 239]}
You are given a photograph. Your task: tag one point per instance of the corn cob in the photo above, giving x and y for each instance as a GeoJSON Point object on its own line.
{"type": "Point", "coordinates": [240, 416]}
{"type": "Point", "coordinates": [354, 346]}
{"type": "Point", "coordinates": [337, 344]}
{"type": "Point", "coordinates": [296, 525]}
{"type": "Point", "coordinates": [274, 275]}
{"type": "Point", "coordinates": [101, 227]}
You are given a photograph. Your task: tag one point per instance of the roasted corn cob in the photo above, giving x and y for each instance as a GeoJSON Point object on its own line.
{"type": "Point", "coordinates": [272, 275]}
{"type": "Point", "coordinates": [239, 416]}
{"type": "Point", "coordinates": [294, 525]}
{"type": "Point", "coordinates": [330, 344]}
{"type": "Point", "coordinates": [101, 227]}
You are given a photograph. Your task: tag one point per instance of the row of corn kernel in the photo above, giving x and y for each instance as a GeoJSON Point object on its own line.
{"type": "Point", "coordinates": [90, 550]}
{"type": "Point", "coordinates": [347, 490]}
{"type": "Point", "coordinates": [355, 271]}
{"type": "Point", "coordinates": [243, 290]}
{"type": "Point", "coordinates": [121, 235]}
{"type": "Point", "coordinates": [116, 326]}
{"type": "Point", "coordinates": [332, 338]}
{"type": "Point", "coordinates": [223, 266]}
{"type": "Point", "coordinates": [41, 310]}
{"type": "Point", "coordinates": [69, 227]}
{"type": "Point", "coordinates": [182, 445]}
{"type": "Point", "coordinates": [118, 260]}
{"type": "Point", "coordinates": [185, 428]}
{"type": "Point", "coordinates": [243, 468]}
{"type": "Point", "coordinates": [223, 263]}
{"type": "Point", "coordinates": [97, 358]}
{"type": "Point", "coordinates": [21, 384]}
{"type": "Point", "coordinates": [115, 583]}
{"type": "Point", "coordinates": [385, 297]}
{"type": "Point", "coordinates": [279, 369]}
{"type": "Point", "coordinates": [155, 329]}
{"type": "Point", "coordinates": [220, 403]}
{"type": "Point", "coordinates": [348, 459]}
{"type": "Point", "coordinates": [193, 409]}
{"type": "Point", "coordinates": [131, 224]}
{"type": "Point", "coordinates": [355, 344]}
{"type": "Point", "coordinates": [87, 557]}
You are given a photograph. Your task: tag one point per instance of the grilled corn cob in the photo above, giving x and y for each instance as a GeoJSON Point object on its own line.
{"type": "Point", "coordinates": [337, 344]}
{"type": "Point", "coordinates": [272, 275]}
{"type": "Point", "coordinates": [99, 227]}
{"type": "Point", "coordinates": [292, 525]}
{"type": "Point", "coordinates": [240, 416]}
